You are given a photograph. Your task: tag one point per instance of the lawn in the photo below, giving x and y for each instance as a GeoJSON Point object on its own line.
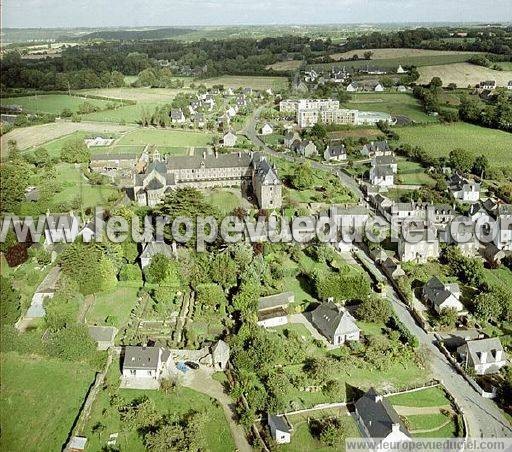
{"type": "Point", "coordinates": [412, 173]}
{"type": "Point", "coordinates": [224, 200]}
{"type": "Point", "coordinates": [40, 399]}
{"type": "Point", "coordinates": [179, 401]}
{"type": "Point", "coordinates": [393, 103]}
{"type": "Point", "coordinates": [302, 438]}
{"type": "Point", "coordinates": [439, 139]}
{"type": "Point", "coordinates": [164, 137]}
{"type": "Point", "coordinates": [430, 397]}
{"type": "Point", "coordinates": [117, 304]}
{"type": "Point", "coordinates": [254, 82]}
{"type": "Point", "coordinates": [51, 103]}
{"type": "Point", "coordinates": [74, 185]}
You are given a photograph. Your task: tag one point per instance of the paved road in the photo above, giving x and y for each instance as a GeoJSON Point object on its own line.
{"type": "Point", "coordinates": [250, 132]}
{"type": "Point", "coordinates": [484, 418]}
{"type": "Point", "coordinates": [201, 381]}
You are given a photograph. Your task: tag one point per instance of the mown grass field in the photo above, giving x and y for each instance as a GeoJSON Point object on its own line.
{"type": "Point", "coordinates": [412, 173]}
{"type": "Point", "coordinates": [166, 137]}
{"type": "Point", "coordinates": [180, 401]}
{"type": "Point", "coordinates": [117, 304]}
{"type": "Point", "coordinates": [439, 139]}
{"type": "Point", "coordinates": [51, 103]}
{"type": "Point", "coordinates": [385, 54]}
{"type": "Point", "coordinates": [396, 104]}
{"type": "Point", "coordinates": [73, 185]}
{"type": "Point", "coordinates": [256, 82]}
{"type": "Point", "coordinates": [392, 61]}
{"type": "Point", "coordinates": [430, 397]}
{"type": "Point", "coordinates": [39, 401]}
{"type": "Point", "coordinates": [462, 74]}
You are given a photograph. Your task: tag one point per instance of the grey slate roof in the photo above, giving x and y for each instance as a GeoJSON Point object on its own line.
{"type": "Point", "coordinates": [475, 348]}
{"type": "Point", "coordinates": [381, 146]}
{"type": "Point", "coordinates": [383, 171]}
{"type": "Point", "coordinates": [50, 282]}
{"type": "Point", "coordinates": [328, 317]}
{"type": "Point", "coordinates": [436, 292]}
{"type": "Point", "coordinates": [385, 160]}
{"type": "Point", "coordinates": [102, 333]}
{"type": "Point", "coordinates": [100, 157]}
{"type": "Point", "coordinates": [153, 248]}
{"type": "Point", "coordinates": [335, 150]}
{"type": "Point", "coordinates": [232, 160]}
{"type": "Point", "coordinates": [279, 422]}
{"type": "Point", "coordinates": [136, 357]}
{"type": "Point", "coordinates": [275, 301]}
{"type": "Point", "coordinates": [378, 415]}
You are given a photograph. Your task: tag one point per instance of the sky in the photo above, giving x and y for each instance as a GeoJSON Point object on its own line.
{"type": "Point", "coordinates": [130, 13]}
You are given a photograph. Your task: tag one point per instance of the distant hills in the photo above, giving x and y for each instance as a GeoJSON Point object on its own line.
{"type": "Point", "coordinates": [155, 33]}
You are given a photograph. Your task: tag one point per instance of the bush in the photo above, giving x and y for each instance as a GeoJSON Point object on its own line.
{"type": "Point", "coordinates": [130, 272]}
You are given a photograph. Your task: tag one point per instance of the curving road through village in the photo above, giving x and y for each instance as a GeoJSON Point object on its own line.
{"type": "Point", "coordinates": [484, 419]}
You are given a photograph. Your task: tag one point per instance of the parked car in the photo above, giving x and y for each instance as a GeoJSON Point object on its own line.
{"type": "Point", "coordinates": [192, 365]}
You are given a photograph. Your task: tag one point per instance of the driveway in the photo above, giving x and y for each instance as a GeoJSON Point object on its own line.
{"type": "Point", "coordinates": [201, 380]}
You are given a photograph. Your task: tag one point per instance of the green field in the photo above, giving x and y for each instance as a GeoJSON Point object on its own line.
{"type": "Point", "coordinates": [223, 200]}
{"type": "Point", "coordinates": [254, 82]}
{"type": "Point", "coordinates": [73, 185]}
{"type": "Point", "coordinates": [412, 173]}
{"type": "Point", "coordinates": [396, 104]}
{"type": "Point", "coordinates": [180, 401]}
{"type": "Point", "coordinates": [392, 63]}
{"type": "Point", "coordinates": [129, 114]}
{"type": "Point", "coordinates": [39, 401]}
{"type": "Point", "coordinates": [430, 397]}
{"type": "Point", "coordinates": [170, 138]}
{"type": "Point", "coordinates": [117, 304]}
{"type": "Point", "coordinates": [51, 103]}
{"type": "Point", "coordinates": [439, 139]}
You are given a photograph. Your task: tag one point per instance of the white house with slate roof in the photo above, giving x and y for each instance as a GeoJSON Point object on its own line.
{"type": "Point", "coordinates": [177, 116]}
{"type": "Point", "coordinates": [272, 310]}
{"type": "Point", "coordinates": [463, 189]}
{"type": "Point", "coordinates": [442, 296]}
{"type": "Point", "coordinates": [335, 323]}
{"type": "Point", "coordinates": [145, 363]}
{"type": "Point", "coordinates": [484, 356]}
{"type": "Point", "coordinates": [220, 355]}
{"type": "Point", "coordinates": [151, 249]}
{"type": "Point", "coordinates": [377, 419]}
{"type": "Point", "coordinates": [45, 290]}
{"type": "Point", "coordinates": [335, 152]}
{"type": "Point", "coordinates": [267, 129]}
{"type": "Point", "coordinates": [375, 149]}
{"type": "Point", "coordinates": [280, 429]}
{"type": "Point", "coordinates": [229, 139]}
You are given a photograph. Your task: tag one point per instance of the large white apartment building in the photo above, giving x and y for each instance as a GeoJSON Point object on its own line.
{"type": "Point", "coordinates": [327, 111]}
{"type": "Point", "coordinates": [293, 106]}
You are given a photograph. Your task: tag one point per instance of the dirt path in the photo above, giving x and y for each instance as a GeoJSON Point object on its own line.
{"type": "Point", "coordinates": [201, 381]}
{"type": "Point", "coordinates": [413, 410]}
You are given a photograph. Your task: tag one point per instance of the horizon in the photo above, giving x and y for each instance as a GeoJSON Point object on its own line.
{"type": "Point", "coordinates": [220, 13]}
